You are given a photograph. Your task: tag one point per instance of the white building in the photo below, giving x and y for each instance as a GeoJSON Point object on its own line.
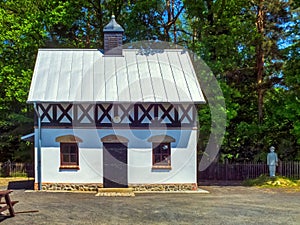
{"type": "Point", "coordinates": [125, 117]}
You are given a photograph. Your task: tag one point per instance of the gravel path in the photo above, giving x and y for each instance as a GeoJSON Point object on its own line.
{"type": "Point", "coordinates": [223, 205]}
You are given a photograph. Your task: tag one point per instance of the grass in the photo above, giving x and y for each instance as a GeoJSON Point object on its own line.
{"type": "Point", "coordinates": [273, 182]}
{"type": "Point", "coordinates": [5, 180]}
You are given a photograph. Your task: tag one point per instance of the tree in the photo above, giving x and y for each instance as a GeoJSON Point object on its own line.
{"type": "Point", "coordinates": [153, 20]}
{"type": "Point", "coordinates": [21, 34]}
{"type": "Point", "coordinates": [270, 21]}
{"type": "Point", "coordinates": [239, 40]}
{"type": "Point", "coordinates": [29, 25]}
{"type": "Point", "coordinates": [252, 48]}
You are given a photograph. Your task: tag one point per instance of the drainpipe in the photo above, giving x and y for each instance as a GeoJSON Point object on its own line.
{"type": "Point", "coordinates": [39, 147]}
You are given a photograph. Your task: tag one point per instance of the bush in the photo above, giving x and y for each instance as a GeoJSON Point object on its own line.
{"type": "Point", "coordinates": [18, 174]}
{"type": "Point", "coordinates": [266, 181]}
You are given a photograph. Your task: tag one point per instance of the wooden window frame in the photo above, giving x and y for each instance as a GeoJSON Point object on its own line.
{"type": "Point", "coordinates": [66, 142]}
{"type": "Point", "coordinates": [71, 164]}
{"type": "Point", "coordinates": [167, 156]}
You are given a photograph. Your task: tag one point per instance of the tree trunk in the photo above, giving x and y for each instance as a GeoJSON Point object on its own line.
{"type": "Point", "coordinates": [174, 28]}
{"type": "Point", "coordinates": [88, 31]}
{"type": "Point", "coordinates": [260, 20]}
{"type": "Point", "coordinates": [210, 16]}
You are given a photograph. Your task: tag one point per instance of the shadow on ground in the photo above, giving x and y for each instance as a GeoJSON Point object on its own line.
{"type": "Point", "coordinates": [22, 184]}
{"type": "Point", "coordinates": [3, 217]}
{"type": "Point", "coordinates": [220, 183]}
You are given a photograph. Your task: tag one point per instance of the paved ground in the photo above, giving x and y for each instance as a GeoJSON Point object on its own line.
{"type": "Point", "coordinates": [223, 205]}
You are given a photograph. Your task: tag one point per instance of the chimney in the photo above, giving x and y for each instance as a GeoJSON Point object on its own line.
{"type": "Point", "coordinates": [113, 36]}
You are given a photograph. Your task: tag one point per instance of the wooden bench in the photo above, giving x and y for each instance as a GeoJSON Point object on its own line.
{"type": "Point", "coordinates": [8, 204]}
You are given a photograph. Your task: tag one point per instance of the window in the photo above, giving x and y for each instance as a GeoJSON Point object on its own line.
{"type": "Point", "coordinates": [161, 155]}
{"type": "Point", "coordinates": [161, 151]}
{"type": "Point", "coordinates": [69, 151]}
{"type": "Point", "coordinates": [69, 155]}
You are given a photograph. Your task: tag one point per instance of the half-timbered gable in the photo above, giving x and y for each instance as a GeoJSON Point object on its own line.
{"type": "Point", "coordinates": [118, 115]}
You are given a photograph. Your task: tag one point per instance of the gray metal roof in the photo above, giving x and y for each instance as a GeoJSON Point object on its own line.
{"type": "Point", "coordinates": [81, 75]}
{"type": "Point", "coordinates": [113, 26]}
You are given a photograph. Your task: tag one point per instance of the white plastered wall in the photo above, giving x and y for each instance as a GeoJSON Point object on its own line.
{"type": "Point", "coordinates": [183, 156]}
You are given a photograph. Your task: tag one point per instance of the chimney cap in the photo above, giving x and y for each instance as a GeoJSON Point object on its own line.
{"type": "Point", "coordinates": [113, 26]}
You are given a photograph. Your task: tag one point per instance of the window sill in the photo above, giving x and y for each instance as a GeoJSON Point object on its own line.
{"type": "Point", "coordinates": [69, 167]}
{"type": "Point", "coordinates": [161, 167]}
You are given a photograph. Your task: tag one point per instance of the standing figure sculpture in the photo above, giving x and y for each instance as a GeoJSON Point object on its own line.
{"type": "Point", "coordinates": [272, 161]}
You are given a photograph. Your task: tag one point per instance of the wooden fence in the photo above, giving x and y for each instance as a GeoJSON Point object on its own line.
{"type": "Point", "coordinates": [216, 171]}
{"type": "Point", "coordinates": [12, 169]}
{"type": "Point", "coordinates": [246, 170]}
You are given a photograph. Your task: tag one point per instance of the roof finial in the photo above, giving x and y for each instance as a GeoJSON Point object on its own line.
{"type": "Point", "coordinates": [113, 26]}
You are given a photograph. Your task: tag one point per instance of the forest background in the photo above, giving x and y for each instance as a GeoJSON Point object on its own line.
{"type": "Point", "coordinates": [252, 47]}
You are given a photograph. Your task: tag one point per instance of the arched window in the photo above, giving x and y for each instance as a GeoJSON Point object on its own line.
{"type": "Point", "coordinates": [161, 151]}
{"type": "Point", "coordinates": [69, 157]}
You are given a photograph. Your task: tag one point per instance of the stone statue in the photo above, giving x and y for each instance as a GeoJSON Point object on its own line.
{"type": "Point", "coordinates": [272, 161]}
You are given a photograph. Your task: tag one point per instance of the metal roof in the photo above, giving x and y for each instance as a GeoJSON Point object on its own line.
{"type": "Point", "coordinates": [113, 26]}
{"type": "Point", "coordinates": [86, 75]}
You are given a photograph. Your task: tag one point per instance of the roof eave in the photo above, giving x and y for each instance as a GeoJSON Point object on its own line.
{"type": "Point", "coordinates": [112, 102]}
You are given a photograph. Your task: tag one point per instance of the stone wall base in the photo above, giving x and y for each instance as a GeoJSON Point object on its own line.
{"type": "Point", "coordinates": [135, 187]}
{"type": "Point", "coordinates": [68, 187]}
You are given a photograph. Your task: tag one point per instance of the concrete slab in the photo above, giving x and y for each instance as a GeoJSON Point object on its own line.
{"type": "Point", "coordinates": [115, 192]}
{"type": "Point", "coordinates": [198, 191]}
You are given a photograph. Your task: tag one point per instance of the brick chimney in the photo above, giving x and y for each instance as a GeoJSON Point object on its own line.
{"type": "Point", "coordinates": [113, 36]}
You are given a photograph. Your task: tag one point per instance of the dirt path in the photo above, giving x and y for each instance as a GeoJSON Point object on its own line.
{"type": "Point", "coordinates": [224, 205]}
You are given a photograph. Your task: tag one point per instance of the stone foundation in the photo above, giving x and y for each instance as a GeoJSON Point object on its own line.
{"type": "Point", "coordinates": [135, 187]}
{"type": "Point", "coordinates": [69, 187]}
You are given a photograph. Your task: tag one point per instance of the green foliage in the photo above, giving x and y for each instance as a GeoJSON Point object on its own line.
{"type": "Point", "coordinates": [223, 33]}
{"type": "Point", "coordinates": [226, 36]}
{"type": "Point", "coordinates": [10, 145]}
{"type": "Point", "coordinates": [18, 174]}
{"type": "Point", "coordinates": [143, 20]}
{"type": "Point", "coordinates": [272, 182]}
